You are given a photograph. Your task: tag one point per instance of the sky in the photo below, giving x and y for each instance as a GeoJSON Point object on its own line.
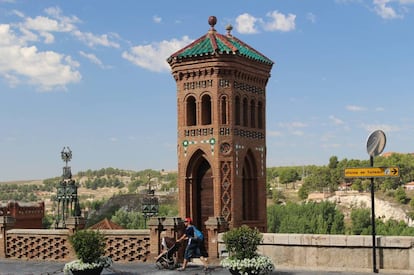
{"type": "Point", "coordinates": [81, 74]}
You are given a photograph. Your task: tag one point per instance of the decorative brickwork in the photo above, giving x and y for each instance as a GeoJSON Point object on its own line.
{"type": "Point", "coordinates": [226, 190]}
{"type": "Point", "coordinates": [46, 244]}
{"type": "Point", "coordinates": [127, 245]}
{"type": "Point", "coordinates": [122, 245]}
{"type": "Point", "coordinates": [33, 244]}
{"type": "Point", "coordinates": [221, 97]}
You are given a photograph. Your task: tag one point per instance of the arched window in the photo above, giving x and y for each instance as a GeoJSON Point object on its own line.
{"type": "Point", "coordinates": [223, 107]}
{"type": "Point", "coordinates": [206, 110]}
{"type": "Point", "coordinates": [245, 112]}
{"type": "Point", "coordinates": [191, 111]}
{"type": "Point", "coordinates": [237, 110]}
{"type": "Point", "coordinates": [260, 115]}
{"type": "Point", "coordinates": [252, 114]}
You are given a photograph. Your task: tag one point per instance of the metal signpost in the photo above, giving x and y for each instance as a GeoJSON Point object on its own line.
{"type": "Point", "coordinates": [375, 145]}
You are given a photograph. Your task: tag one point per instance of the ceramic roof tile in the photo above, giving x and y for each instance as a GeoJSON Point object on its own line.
{"type": "Point", "coordinates": [106, 224]}
{"type": "Point", "coordinates": [215, 43]}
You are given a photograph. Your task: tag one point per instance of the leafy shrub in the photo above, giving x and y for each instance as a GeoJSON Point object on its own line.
{"type": "Point", "coordinates": [305, 218]}
{"type": "Point", "coordinates": [242, 242]}
{"type": "Point", "coordinates": [89, 245]}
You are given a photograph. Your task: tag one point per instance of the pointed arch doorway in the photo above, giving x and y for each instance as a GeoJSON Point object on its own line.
{"type": "Point", "coordinates": [250, 188]}
{"type": "Point", "coordinates": [199, 191]}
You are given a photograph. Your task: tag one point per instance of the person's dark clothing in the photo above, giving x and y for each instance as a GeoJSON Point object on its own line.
{"type": "Point", "coordinates": [195, 247]}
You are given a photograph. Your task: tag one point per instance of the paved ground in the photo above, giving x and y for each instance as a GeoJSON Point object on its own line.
{"type": "Point", "coordinates": [21, 267]}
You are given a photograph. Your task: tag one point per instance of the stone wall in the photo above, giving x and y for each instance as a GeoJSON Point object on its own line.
{"type": "Point", "coordinates": [49, 244]}
{"type": "Point", "coordinates": [38, 244]}
{"type": "Point", "coordinates": [337, 252]}
{"type": "Point", "coordinates": [291, 251]}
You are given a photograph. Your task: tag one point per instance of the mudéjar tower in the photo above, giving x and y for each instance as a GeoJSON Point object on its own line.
{"type": "Point", "coordinates": [221, 103]}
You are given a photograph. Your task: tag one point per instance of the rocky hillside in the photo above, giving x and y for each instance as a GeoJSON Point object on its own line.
{"type": "Point", "coordinates": [383, 209]}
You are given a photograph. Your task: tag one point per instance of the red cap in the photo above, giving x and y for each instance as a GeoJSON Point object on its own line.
{"type": "Point", "coordinates": [187, 220]}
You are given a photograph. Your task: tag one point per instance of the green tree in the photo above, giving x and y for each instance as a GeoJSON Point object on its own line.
{"type": "Point", "coordinates": [400, 195]}
{"type": "Point", "coordinates": [357, 185]}
{"type": "Point", "coordinates": [361, 221]}
{"type": "Point", "coordinates": [288, 175]}
{"type": "Point", "coordinates": [129, 220]}
{"type": "Point", "coordinates": [310, 218]}
{"type": "Point", "coordinates": [303, 192]}
{"type": "Point", "coordinates": [168, 210]}
{"type": "Point", "coordinates": [278, 196]}
{"type": "Point", "coordinates": [318, 179]}
{"type": "Point", "coordinates": [333, 162]}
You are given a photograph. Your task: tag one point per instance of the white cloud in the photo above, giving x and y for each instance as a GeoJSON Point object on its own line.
{"type": "Point", "coordinates": [382, 8]}
{"type": "Point", "coordinates": [245, 23]}
{"type": "Point", "coordinates": [330, 145]}
{"type": "Point", "coordinates": [58, 23]}
{"type": "Point", "coordinates": [248, 24]}
{"type": "Point", "coordinates": [336, 120]}
{"type": "Point", "coordinates": [354, 108]}
{"type": "Point", "coordinates": [384, 127]}
{"type": "Point", "coordinates": [93, 40]}
{"type": "Point", "coordinates": [274, 133]}
{"type": "Point", "coordinates": [298, 133]}
{"type": "Point", "coordinates": [22, 63]}
{"type": "Point", "coordinates": [153, 56]}
{"type": "Point", "coordinates": [311, 17]}
{"type": "Point", "coordinates": [327, 137]}
{"type": "Point", "coordinates": [280, 22]}
{"type": "Point", "coordinates": [41, 23]}
{"type": "Point", "coordinates": [66, 23]}
{"type": "Point", "coordinates": [156, 19]}
{"type": "Point", "coordinates": [18, 13]}
{"type": "Point", "coordinates": [295, 124]}
{"type": "Point", "coordinates": [92, 58]}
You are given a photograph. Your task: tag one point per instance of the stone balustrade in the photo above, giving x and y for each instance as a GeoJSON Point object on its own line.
{"type": "Point", "coordinates": [292, 251]}
{"type": "Point", "coordinates": [337, 252]}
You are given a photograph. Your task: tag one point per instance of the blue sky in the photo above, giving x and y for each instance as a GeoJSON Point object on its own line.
{"type": "Point", "coordinates": [81, 73]}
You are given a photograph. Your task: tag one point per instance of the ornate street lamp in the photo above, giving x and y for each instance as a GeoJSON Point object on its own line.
{"type": "Point", "coordinates": [67, 193]}
{"type": "Point", "coordinates": [150, 204]}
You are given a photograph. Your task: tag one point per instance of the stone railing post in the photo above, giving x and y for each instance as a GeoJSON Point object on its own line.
{"type": "Point", "coordinates": [74, 224]}
{"type": "Point", "coordinates": [214, 225]}
{"type": "Point", "coordinates": [6, 222]}
{"type": "Point", "coordinates": [155, 225]}
{"type": "Point", "coordinates": [179, 229]}
{"type": "Point", "coordinates": [170, 227]}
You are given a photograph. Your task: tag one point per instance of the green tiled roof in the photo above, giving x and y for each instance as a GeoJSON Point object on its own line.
{"type": "Point", "coordinates": [213, 42]}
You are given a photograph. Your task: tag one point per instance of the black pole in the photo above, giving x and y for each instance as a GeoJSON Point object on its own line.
{"type": "Point", "coordinates": [374, 254]}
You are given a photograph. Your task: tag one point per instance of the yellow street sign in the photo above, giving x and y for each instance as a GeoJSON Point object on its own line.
{"type": "Point", "coordinates": [372, 172]}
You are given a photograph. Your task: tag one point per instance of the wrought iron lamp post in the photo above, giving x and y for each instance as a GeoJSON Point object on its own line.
{"type": "Point", "coordinates": [67, 194]}
{"type": "Point", "coordinates": [150, 203]}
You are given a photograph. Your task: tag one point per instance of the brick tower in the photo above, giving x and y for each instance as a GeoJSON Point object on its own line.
{"type": "Point", "coordinates": [221, 104]}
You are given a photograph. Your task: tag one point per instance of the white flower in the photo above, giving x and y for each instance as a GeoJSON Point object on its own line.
{"type": "Point", "coordinates": [256, 265]}
{"type": "Point", "coordinates": [79, 265]}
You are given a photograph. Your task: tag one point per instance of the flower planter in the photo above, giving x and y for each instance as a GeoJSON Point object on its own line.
{"type": "Point", "coordinates": [93, 271]}
{"type": "Point", "coordinates": [248, 272]}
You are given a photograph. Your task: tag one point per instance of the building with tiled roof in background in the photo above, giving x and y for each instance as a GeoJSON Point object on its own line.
{"type": "Point", "coordinates": [106, 224]}
{"type": "Point", "coordinates": [388, 154]}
